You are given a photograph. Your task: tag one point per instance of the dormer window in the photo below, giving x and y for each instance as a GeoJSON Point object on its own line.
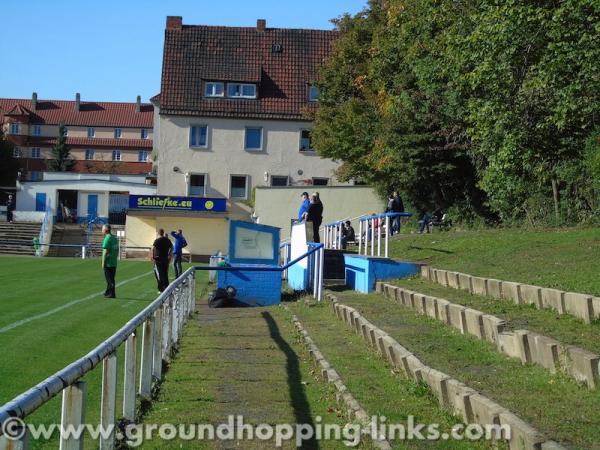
{"type": "Point", "coordinates": [241, 90]}
{"type": "Point", "coordinates": [313, 94]}
{"type": "Point", "coordinates": [213, 89]}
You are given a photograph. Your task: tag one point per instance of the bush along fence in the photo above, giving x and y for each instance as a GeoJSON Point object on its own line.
{"type": "Point", "coordinates": [458, 398]}
{"type": "Point", "coordinates": [524, 345]}
{"type": "Point", "coordinates": [582, 306]}
{"type": "Point", "coordinates": [161, 323]}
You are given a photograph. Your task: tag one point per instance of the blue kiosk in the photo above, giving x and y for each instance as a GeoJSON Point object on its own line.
{"type": "Point", "coordinates": [254, 246]}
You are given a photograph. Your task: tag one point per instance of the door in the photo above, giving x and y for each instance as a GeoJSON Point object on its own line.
{"type": "Point", "coordinates": [92, 206]}
{"type": "Point", "coordinates": [40, 201]}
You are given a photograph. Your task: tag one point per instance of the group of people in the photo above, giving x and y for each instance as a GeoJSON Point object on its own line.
{"type": "Point", "coordinates": [163, 252]}
{"type": "Point", "coordinates": [311, 210]}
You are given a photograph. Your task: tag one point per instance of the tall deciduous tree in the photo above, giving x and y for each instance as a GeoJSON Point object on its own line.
{"type": "Point", "coordinates": [62, 160]}
{"type": "Point", "coordinates": [9, 166]}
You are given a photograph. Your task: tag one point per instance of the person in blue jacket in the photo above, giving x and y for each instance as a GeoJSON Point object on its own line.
{"type": "Point", "coordinates": [303, 206]}
{"type": "Point", "coordinates": [180, 244]}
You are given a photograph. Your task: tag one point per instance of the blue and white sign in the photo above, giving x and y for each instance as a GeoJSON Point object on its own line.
{"type": "Point", "coordinates": [166, 203]}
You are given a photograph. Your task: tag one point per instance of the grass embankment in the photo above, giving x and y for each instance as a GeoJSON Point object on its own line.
{"type": "Point", "coordinates": [564, 328]}
{"type": "Point", "coordinates": [53, 313]}
{"type": "Point", "coordinates": [372, 382]}
{"type": "Point", "coordinates": [553, 404]}
{"type": "Point", "coordinates": [246, 362]}
{"type": "Point", "coordinates": [565, 258]}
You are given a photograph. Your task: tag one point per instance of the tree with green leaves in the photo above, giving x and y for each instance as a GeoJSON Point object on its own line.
{"type": "Point", "coordinates": [62, 160]}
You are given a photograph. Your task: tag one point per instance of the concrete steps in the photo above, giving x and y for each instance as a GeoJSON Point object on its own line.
{"type": "Point", "coordinates": [19, 236]}
{"type": "Point", "coordinates": [67, 234]}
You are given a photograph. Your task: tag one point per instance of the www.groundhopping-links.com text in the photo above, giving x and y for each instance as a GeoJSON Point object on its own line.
{"type": "Point", "coordinates": [235, 429]}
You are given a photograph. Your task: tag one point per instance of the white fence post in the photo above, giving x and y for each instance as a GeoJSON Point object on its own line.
{"type": "Point", "coordinates": [373, 231]}
{"type": "Point", "coordinates": [73, 414]}
{"type": "Point", "coordinates": [146, 365]}
{"type": "Point", "coordinates": [387, 235]}
{"type": "Point", "coordinates": [379, 228]}
{"type": "Point", "coordinates": [360, 236]}
{"type": "Point", "coordinates": [129, 378]}
{"type": "Point", "coordinates": [321, 272]}
{"type": "Point", "coordinates": [167, 320]}
{"type": "Point", "coordinates": [157, 351]}
{"type": "Point", "coordinates": [109, 400]}
{"type": "Point", "coordinates": [83, 252]}
{"type": "Point", "coordinates": [316, 274]}
{"type": "Point", "coordinates": [16, 444]}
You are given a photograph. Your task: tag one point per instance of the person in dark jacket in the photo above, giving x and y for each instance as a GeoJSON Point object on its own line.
{"type": "Point", "coordinates": [162, 251]}
{"type": "Point", "coordinates": [178, 246]}
{"type": "Point", "coordinates": [396, 205]}
{"type": "Point", "coordinates": [10, 207]}
{"type": "Point", "coordinates": [315, 215]}
{"type": "Point", "coordinates": [348, 234]}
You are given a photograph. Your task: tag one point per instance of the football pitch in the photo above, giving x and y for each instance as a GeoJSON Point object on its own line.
{"type": "Point", "coordinates": [54, 312]}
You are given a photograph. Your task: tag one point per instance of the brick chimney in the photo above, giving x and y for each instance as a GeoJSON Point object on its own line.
{"type": "Point", "coordinates": [261, 25]}
{"type": "Point", "coordinates": [138, 104]}
{"type": "Point", "coordinates": [77, 102]}
{"type": "Point", "coordinates": [174, 22]}
{"type": "Point", "coordinates": [34, 101]}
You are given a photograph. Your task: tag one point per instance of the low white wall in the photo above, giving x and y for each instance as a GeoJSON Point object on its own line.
{"type": "Point", "coordinates": [28, 216]}
{"type": "Point", "coordinates": [277, 206]}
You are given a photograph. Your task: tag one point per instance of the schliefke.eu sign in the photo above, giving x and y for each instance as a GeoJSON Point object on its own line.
{"type": "Point", "coordinates": [166, 203]}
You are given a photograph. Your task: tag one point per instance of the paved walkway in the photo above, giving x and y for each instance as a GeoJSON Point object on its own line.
{"type": "Point", "coordinates": [240, 362]}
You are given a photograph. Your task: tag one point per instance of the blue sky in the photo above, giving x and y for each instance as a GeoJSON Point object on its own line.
{"type": "Point", "coordinates": [111, 50]}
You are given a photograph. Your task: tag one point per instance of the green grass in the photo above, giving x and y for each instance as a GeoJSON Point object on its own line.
{"type": "Point", "coordinates": [554, 404]}
{"type": "Point", "coordinates": [564, 328]}
{"type": "Point", "coordinates": [36, 349]}
{"type": "Point", "coordinates": [565, 258]}
{"type": "Point", "coordinates": [373, 383]}
{"type": "Point", "coordinates": [248, 362]}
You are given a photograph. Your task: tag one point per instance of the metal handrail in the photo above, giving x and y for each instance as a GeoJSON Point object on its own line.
{"type": "Point", "coordinates": [160, 314]}
{"type": "Point", "coordinates": [26, 403]}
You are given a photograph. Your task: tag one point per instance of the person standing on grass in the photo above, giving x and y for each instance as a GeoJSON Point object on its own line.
{"type": "Point", "coordinates": [10, 207]}
{"type": "Point", "coordinates": [110, 256]}
{"type": "Point", "coordinates": [180, 244]}
{"type": "Point", "coordinates": [162, 251]}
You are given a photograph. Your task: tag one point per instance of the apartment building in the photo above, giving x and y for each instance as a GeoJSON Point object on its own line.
{"type": "Point", "coordinates": [104, 137]}
{"type": "Point", "coordinates": [233, 110]}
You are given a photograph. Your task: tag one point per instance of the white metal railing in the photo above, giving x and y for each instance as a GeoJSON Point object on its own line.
{"type": "Point", "coordinates": [161, 323]}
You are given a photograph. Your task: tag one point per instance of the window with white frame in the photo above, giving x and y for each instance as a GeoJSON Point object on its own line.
{"type": "Point", "coordinates": [91, 132]}
{"type": "Point", "coordinates": [36, 130]}
{"type": "Point", "coordinates": [199, 136]}
{"type": "Point", "coordinates": [17, 152]}
{"type": "Point", "coordinates": [241, 90]}
{"type": "Point", "coordinates": [320, 181]}
{"type": "Point", "coordinates": [14, 128]}
{"type": "Point", "coordinates": [90, 154]}
{"type": "Point", "coordinates": [239, 186]}
{"type": "Point", "coordinates": [66, 130]}
{"type": "Point", "coordinates": [279, 180]}
{"type": "Point", "coordinates": [35, 175]}
{"type": "Point", "coordinates": [313, 93]}
{"type": "Point", "coordinates": [213, 89]}
{"type": "Point", "coordinates": [143, 156]}
{"type": "Point", "coordinates": [305, 141]}
{"type": "Point", "coordinates": [197, 185]}
{"type": "Point", "coordinates": [253, 139]}
{"type": "Point", "coordinates": [36, 153]}
{"type": "Point", "coordinates": [116, 155]}
{"type": "Point", "coordinates": [118, 132]}
{"type": "Point", "coordinates": [144, 133]}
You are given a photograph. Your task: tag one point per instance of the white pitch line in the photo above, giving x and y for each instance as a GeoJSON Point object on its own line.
{"type": "Point", "coordinates": [18, 323]}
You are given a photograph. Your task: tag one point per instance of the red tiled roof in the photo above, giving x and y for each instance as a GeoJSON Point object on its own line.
{"type": "Point", "coordinates": [99, 114]}
{"type": "Point", "coordinates": [194, 54]}
{"type": "Point", "coordinates": [83, 142]}
{"type": "Point", "coordinates": [120, 167]}
{"type": "Point", "coordinates": [18, 110]}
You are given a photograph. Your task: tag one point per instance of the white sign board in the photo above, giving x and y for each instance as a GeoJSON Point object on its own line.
{"type": "Point", "coordinates": [298, 244]}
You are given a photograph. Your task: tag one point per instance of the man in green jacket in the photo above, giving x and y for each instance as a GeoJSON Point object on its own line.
{"type": "Point", "coordinates": [110, 253]}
